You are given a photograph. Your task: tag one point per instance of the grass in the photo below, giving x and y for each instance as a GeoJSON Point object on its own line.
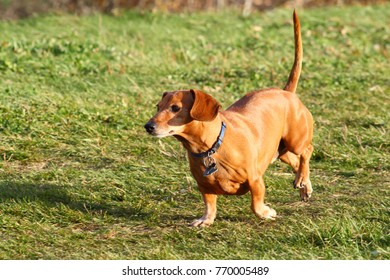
{"type": "Point", "coordinates": [80, 179]}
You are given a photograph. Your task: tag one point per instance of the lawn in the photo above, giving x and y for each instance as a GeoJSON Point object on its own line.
{"type": "Point", "coordinates": [80, 178]}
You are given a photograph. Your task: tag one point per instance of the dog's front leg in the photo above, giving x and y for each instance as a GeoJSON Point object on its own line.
{"type": "Point", "coordinates": [210, 201]}
{"type": "Point", "coordinates": [261, 210]}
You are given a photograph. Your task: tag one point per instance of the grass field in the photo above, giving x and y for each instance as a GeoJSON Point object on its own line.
{"type": "Point", "coordinates": [80, 179]}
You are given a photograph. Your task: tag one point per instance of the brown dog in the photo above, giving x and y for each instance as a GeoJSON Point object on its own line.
{"type": "Point", "coordinates": [230, 150]}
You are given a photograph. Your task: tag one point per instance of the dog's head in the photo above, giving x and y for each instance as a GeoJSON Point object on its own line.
{"type": "Point", "coordinates": [179, 108]}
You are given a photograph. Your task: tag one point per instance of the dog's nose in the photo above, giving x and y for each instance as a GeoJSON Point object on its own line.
{"type": "Point", "coordinates": [150, 126]}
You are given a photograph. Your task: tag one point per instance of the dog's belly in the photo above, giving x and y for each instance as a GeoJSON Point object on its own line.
{"type": "Point", "coordinates": [234, 188]}
{"type": "Point", "coordinates": [222, 186]}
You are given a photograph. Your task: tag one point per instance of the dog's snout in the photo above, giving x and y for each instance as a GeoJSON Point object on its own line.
{"type": "Point", "coordinates": [150, 126]}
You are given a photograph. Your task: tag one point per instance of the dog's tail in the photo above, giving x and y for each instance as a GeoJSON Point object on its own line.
{"type": "Point", "coordinates": [295, 72]}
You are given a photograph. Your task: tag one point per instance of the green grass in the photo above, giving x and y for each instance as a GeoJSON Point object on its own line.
{"type": "Point", "coordinates": [80, 179]}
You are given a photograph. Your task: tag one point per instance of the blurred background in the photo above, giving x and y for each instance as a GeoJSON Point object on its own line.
{"type": "Point", "coordinates": [14, 9]}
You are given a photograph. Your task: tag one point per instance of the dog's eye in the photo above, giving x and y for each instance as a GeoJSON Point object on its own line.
{"type": "Point", "coordinates": [175, 108]}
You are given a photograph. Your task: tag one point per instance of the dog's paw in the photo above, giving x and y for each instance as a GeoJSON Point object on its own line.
{"type": "Point", "coordinates": [202, 222]}
{"type": "Point", "coordinates": [271, 214]}
{"type": "Point", "coordinates": [266, 213]}
{"type": "Point", "coordinates": [304, 195]}
{"type": "Point", "coordinates": [305, 188]}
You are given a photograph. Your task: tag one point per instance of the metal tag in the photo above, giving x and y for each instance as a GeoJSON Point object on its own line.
{"type": "Point", "coordinates": [210, 169]}
{"type": "Point", "coordinates": [210, 164]}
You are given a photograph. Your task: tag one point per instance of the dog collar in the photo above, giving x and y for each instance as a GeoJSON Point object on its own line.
{"type": "Point", "coordinates": [214, 147]}
{"type": "Point", "coordinates": [208, 161]}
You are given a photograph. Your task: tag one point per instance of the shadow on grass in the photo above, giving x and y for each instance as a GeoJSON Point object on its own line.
{"type": "Point", "coordinates": [55, 196]}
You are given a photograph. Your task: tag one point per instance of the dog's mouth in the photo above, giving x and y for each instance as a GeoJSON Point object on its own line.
{"type": "Point", "coordinates": [161, 135]}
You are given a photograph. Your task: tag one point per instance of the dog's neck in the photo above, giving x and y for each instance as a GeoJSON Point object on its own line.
{"type": "Point", "coordinates": [200, 136]}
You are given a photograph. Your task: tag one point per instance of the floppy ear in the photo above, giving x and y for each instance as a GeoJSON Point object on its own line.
{"type": "Point", "coordinates": [205, 107]}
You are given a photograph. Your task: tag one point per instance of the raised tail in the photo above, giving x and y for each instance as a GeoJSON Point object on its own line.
{"type": "Point", "coordinates": [295, 72]}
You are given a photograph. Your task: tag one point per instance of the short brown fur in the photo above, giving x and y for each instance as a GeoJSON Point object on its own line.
{"type": "Point", "coordinates": [260, 127]}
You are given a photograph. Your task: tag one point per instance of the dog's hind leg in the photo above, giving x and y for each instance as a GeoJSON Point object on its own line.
{"type": "Point", "coordinates": [291, 159]}
{"type": "Point", "coordinates": [287, 157]}
{"type": "Point", "coordinates": [302, 177]}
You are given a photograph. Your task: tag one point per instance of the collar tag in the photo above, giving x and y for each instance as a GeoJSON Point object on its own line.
{"type": "Point", "coordinates": [211, 166]}
{"type": "Point", "coordinates": [210, 170]}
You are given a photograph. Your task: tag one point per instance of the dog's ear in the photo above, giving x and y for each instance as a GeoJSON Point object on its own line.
{"type": "Point", "coordinates": [205, 107]}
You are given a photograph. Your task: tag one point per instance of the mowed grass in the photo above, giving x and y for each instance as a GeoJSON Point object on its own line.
{"type": "Point", "coordinates": [80, 179]}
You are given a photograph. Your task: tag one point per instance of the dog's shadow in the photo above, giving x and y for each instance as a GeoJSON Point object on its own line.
{"type": "Point", "coordinates": [53, 196]}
